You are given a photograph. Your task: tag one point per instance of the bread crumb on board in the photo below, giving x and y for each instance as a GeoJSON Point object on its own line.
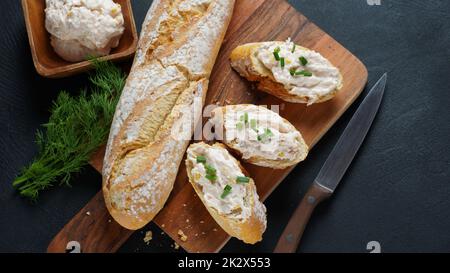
{"type": "Point", "coordinates": [182, 236]}
{"type": "Point", "coordinates": [148, 237]}
{"type": "Point", "coordinates": [88, 213]}
{"type": "Point", "coordinates": [176, 246]}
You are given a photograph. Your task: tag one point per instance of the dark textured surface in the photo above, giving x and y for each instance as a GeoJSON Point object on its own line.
{"type": "Point", "coordinates": [396, 191]}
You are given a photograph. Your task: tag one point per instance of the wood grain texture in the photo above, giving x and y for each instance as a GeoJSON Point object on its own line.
{"type": "Point", "coordinates": [49, 64]}
{"type": "Point", "coordinates": [253, 21]}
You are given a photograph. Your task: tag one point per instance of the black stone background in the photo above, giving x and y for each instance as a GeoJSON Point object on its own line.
{"type": "Point", "coordinates": [396, 191]}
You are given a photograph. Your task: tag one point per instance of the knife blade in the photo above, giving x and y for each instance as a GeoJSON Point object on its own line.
{"type": "Point", "coordinates": [351, 139]}
{"type": "Point", "coordinates": [334, 167]}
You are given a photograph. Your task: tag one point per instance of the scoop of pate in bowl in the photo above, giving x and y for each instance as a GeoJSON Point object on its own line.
{"type": "Point", "coordinates": [83, 28]}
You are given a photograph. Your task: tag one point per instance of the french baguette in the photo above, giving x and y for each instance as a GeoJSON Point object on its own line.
{"type": "Point", "coordinates": [288, 71]}
{"type": "Point", "coordinates": [168, 81]}
{"type": "Point", "coordinates": [226, 191]}
{"type": "Point", "coordinates": [259, 135]}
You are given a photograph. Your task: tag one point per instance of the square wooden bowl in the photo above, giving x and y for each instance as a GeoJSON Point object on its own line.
{"type": "Point", "coordinates": [48, 63]}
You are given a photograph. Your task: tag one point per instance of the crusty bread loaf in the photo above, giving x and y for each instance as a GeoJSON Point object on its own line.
{"type": "Point", "coordinates": [168, 81]}
{"type": "Point", "coordinates": [259, 135]}
{"type": "Point", "coordinates": [246, 60]}
{"type": "Point", "coordinates": [239, 212]}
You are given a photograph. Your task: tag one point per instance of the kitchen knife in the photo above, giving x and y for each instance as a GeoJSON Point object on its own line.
{"type": "Point", "coordinates": [334, 168]}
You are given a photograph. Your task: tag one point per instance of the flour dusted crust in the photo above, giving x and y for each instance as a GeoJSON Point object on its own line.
{"type": "Point", "coordinates": [178, 46]}
{"type": "Point", "coordinates": [286, 149]}
{"type": "Point", "coordinates": [245, 61]}
{"type": "Point", "coordinates": [249, 229]}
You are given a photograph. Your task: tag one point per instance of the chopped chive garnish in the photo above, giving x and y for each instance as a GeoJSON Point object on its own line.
{"type": "Point", "coordinates": [276, 52]}
{"type": "Point", "coordinates": [292, 71]}
{"type": "Point", "coordinates": [239, 126]}
{"type": "Point", "coordinates": [226, 191]}
{"type": "Point", "coordinates": [201, 159]}
{"type": "Point", "coordinates": [210, 169]}
{"type": "Point", "coordinates": [293, 48]}
{"type": "Point", "coordinates": [282, 62]}
{"type": "Point", "coordinates": [267, 133]}
{"type": "Point", "coordinates": [253, 124]}
{"type": "Point", "coordinates": [210, 173]}
{"type": "Point", "coordinates": [304, 73]}
{"type": "Point", "coordinates": [211, 177]}
{"type": "Point", "coordinates": [242, 179]}
{"type": "Point", "coordinates": [303, 60]}
{"type": "Point", "coordinates": [244, 117]}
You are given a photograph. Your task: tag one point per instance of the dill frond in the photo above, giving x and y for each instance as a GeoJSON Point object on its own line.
{"type": "Point", "coordinates": [77, 127]}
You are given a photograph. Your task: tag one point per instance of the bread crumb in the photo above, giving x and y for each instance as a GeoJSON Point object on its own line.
{"type": "Point", "coordinates": [196, 234]}
{"type": "Point", "coordinates": [201, 222]}
{"type": "Point", "coordinates": [176, 246]}
{"type": "Point", "coordinates": [148, 237]}
{"type": "Point", "coordinates": [109, 220]}
{"type": "Point", "coordinates": [187, 220]}
{"type": "Point", "coordinates": [182, 236]}
{"type": "Point", "coordinates": [203, 233]}
{"type": "Point", "coordinates": [162, 233]}
{"type": "Point", "coordinates": [214, 229]}
{"type": "Point", "coordinates": [184, 205]}
{"type": "Point", "coordinates": [88, 213]}
{"type": "Point", "coordinates": [163, 225]}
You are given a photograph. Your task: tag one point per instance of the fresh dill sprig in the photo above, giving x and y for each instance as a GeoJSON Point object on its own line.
{"type": "Point", "coordinates": [77, 127]}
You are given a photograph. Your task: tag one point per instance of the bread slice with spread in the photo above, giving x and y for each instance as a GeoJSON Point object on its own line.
{"type": "Point", "coordinates": [288, 71]}
{"type": "Point", "coordinates": [260, 135]}
{"type": "Point", "coordinates": [226, 191]}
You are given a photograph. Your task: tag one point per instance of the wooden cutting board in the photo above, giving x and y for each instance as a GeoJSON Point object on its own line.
{"type": "Point", "coordinates": [253, 21]}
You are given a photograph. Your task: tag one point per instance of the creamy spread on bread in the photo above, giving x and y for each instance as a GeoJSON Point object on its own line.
{"type": "Point", "coordinates": [221, 191]}
{"type": "Point", "coordinates": [80, 28]}
{"type": "Point", "coordinates": [256, 131]}
{"type": "Point", "coordinates": [303, 72]}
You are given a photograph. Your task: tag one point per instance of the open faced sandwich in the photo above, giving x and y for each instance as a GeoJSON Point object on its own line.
{"type": "Point", "coordinates": [260, 135]}
{"type": "Point", "coordinates": [226, 191]}
{"type": "Point", "coordinates": [288, 71]}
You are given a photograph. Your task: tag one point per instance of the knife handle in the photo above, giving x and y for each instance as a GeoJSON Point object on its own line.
{"type": "Point", "coordinates": [290, 238]}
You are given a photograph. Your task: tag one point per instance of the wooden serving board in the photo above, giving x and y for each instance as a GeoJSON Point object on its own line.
{"type": "Point", "coordinates": [253, 21]}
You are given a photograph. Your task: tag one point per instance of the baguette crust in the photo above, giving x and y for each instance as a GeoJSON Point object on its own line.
{"type": "Point", "coordinates": [249, 230]}
{"type": "Point", "coordinates": [297, 146]}
{"type": "Point", "coordinates": [246, 63]}
{"type": "Point", "coordinates": [168, 81]}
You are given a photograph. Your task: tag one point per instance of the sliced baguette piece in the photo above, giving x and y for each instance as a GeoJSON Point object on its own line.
{"type": "Point", "coordinates": [259, 135]}
{"type": "Point", "coordinates": [167, 83]}
{"type": "Point", "coordinates": [212, 169]}
{"type": "Point", "coordinates": [258, 63]}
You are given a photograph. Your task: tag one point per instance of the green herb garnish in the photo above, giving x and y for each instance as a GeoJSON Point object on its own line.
{"type": "Point", "coordinates": [226, 191]}
{"type": "Point", "coordinates": [201, 159]}
{"type": "Point", "coordinates": [293, 48]}
{"type": "Point", "coordinates": [282, 62]}
{"type": "Point", "coordinates": [210, 173]}
{"type": "Point", "coordinates": [253, 124]}
{"type": "Point", "coordinates": [292, 71]}
{"type": "Point", "coordinates": [276, 52]}
{"type": "Point", "coordinates": [244, 118]}
{"type": "Point", "coordinates": [242, 179]}
{"type": "Point", "coordinates": [303, 60]}
{"type": "Point", "coordinates": [304, 73]}
{"type": "Point", "coordinates": [77, 128]}
{"type": "Point", "coordinates": [239, 126]}
{"type": "Point", "coordinates": [267, 134]}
